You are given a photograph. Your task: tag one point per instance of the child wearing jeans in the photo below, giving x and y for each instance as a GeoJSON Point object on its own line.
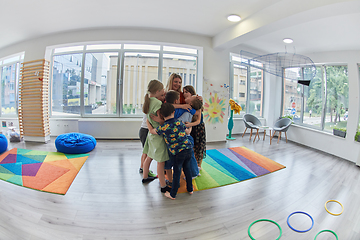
{"type": "Point", "coordinates": [175, 136]}
{"type": "Point", "coordinates": [186, 116]}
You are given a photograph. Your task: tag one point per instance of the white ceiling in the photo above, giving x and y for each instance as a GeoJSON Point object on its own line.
{"type": "Point", "coordinates": [320, 25]}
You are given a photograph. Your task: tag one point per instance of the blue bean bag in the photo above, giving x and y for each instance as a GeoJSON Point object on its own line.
{"type": "Point", "coordinates": [75, 143]}
{"type": "Point", "coordinates": [3, 143]}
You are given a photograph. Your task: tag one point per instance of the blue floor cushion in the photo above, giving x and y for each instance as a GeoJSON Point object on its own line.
{"type": "Point", "coordinates": [3, 143]}
{"type": "Point", "coordinates": [75, 143]}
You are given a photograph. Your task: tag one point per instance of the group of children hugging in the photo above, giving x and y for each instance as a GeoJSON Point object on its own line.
{"type": "Point", "coordinates": [173, 134]}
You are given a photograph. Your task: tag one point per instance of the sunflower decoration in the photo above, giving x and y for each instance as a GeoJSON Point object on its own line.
{"type": "Point", "coordinates": [234, 106]}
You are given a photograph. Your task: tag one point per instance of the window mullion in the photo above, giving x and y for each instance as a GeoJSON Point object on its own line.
{"type": "Point", "coordinates": [248, 82]}
{"type": "Point", "coordinates": [82, 84]}
{"type": "Point", "coordinates": [121, 65]}
{"type": "Point", "coordinates": [160, 70]}
{"type": "Point", "coordinates": [324, 92]}
{"type": "Point", "coordinates": [302, 110]}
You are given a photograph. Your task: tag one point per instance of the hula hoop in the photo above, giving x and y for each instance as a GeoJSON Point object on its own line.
{"type": "Point", "coordinates": [335, 214]}
{"type": "Point", "coordinates": [301, 231]}
{"type": "Point", "coordinates": [266, 220]}
{"type": "Point", "coordinates": [326, 231]}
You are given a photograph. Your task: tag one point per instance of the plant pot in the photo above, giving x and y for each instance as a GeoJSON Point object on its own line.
{"type": "Point", "coordinates": [339, 133]}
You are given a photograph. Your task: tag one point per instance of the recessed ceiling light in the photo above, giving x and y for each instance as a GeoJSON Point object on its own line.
{"type": "Point", "coordinates": [287, 40]}
{"type": "Point", "coordinates": [234, 18]}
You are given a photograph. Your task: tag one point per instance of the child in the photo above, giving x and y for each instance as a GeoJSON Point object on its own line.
{"type": "Point", "coordinates": [185, 116]}
{"type": "Point", "coordinates": [175, 135]}
{"type": "Point", "coordinates": [198, 132]}
{"type": "Point", "coordinates": [143, 132]}
{"type": "Point", "coordinates": [155, 146]}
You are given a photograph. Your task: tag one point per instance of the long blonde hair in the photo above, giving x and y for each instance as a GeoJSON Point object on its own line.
{"type": "Point", "coordinates": [170, 81]}
{"type": "Point", "coordinates": [153, 86]}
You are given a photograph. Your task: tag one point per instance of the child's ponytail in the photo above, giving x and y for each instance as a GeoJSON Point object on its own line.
{"type": "Point", "coordinates": [146, 104]}
{"type": "Point", "coordinates": [153, 87]}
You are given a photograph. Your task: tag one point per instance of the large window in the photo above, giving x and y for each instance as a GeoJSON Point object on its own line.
{"type": "Point", "coordinates": [111, 79]}
{"type": "Point", "coordinates": [139, 69]}
{"type": "Point", "coordinates": [246, 85]}
{"type": "Point", "coordinates": [324, 103]}
{"type": "Point", "coordinates": [66, 81]}
{"type": "Point", "coordinates": [9, 75]}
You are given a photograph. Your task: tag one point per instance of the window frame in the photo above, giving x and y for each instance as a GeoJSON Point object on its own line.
{"type": "Point", "coordinates": [247, 83]}
{"type": "Point", "coordinates": [121, 68]}
{"type": "Point", "coordinates": [16, 59]}
{"type": "Point", "coordinates": [324, 91]}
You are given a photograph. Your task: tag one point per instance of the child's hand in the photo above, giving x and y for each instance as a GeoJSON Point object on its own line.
{"type": "Point", "coordinates": [186, 107]}
{"type": "Point", "coordinates": [156, 118]}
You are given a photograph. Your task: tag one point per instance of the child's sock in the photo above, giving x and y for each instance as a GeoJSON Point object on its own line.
{"type": "Point", "coordinates": [148, 179]}
{"type": "Point", "coordinates": [167, 194]}
{"type": "Point", "coordinates": [165, 189]}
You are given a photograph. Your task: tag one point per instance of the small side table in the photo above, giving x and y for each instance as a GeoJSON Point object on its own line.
{"type": "Point", "coordinates": [264, 128]}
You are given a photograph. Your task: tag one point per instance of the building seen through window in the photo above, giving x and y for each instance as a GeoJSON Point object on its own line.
{"type": "Point", "coordinates": [9, 76]}
{"type": "Point", "coordinates": [246, 86]}
{"type": "Point", "coordinates": [103, 81]}
{"type": "Point", "coordinates": [324, 103]}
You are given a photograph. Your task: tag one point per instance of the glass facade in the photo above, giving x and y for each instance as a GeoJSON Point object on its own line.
{"type": "Point", "coordinates": [324, 103]}
{"type": "Point", "coordinates": [111, 79]}
{"type": "Point", "coordinates": [246, 86]}
{"type": "Point", "coordinates": [9, 76]}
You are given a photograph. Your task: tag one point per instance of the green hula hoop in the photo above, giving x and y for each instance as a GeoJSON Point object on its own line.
{"type": "Point", "coordinates": [264, 220]}
{"type": "Point", "coordinates": [326, 231]}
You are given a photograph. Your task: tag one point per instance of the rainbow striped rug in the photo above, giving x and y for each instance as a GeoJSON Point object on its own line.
{"type": "Point", "coordinates": [231, 165]}
{"type": "Point", "coordinates": [44, 171]}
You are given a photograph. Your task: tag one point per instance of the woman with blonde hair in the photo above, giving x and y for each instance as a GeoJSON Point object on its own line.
{"type": "Point", "coordinates": [174, 83]}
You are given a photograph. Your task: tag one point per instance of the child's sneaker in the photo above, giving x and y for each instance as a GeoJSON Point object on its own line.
{"type": "Point", "coordinates": [149, 179]}
{"type": "Point", "coordinates": [165, 189]}
{"type": "Point", "coordinates": [151, 174]}
{"type": "Point", "coordinates": [141, 170]}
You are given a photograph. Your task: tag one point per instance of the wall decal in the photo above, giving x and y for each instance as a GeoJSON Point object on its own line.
{"type": "Point", "coordinates": [214, 109]}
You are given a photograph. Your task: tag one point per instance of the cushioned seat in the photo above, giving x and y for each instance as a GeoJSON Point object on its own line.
{"type": "Point", "coordinates": [3, 143]}
{"type": "Point", "coordinates": [281, 125]}
{"type": "Point", "coordinates": [251, 122]}
{"type": "Point", "coordinates": [75, 143]}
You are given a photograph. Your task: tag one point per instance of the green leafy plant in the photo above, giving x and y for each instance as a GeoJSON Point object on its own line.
{"type": "Point", "coordinates": [340, 129]}
{"type": "Point", "coordinates": [288, 116]}
{"type": "Point", "coordinates": [357, 136]}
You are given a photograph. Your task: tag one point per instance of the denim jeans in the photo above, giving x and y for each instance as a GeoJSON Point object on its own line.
{"type": "Point", "coordinates": [181, 160]}
{"type": "Point", "coordinates": [193, 163]}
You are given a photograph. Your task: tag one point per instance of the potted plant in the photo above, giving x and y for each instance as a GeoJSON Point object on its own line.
{"type": "Point", "coordinates": [357, 136]}
{"type": "Point", "coordinates": [341, 132]}
{"type": "Point", "coordinates": [288, 116]}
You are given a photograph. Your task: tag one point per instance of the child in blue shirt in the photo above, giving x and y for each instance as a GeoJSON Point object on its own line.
{"type": "Point", "coordinates": [175, 135]}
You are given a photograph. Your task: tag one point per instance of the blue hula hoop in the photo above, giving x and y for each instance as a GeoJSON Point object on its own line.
{"type": "Point", "coordinates": [301, 231]}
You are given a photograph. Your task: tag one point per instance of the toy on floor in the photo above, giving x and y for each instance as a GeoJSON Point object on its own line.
{"type": "Point", "coordinates": [3, 143]}
{"type": "Point", "coordinates": [75, 143]}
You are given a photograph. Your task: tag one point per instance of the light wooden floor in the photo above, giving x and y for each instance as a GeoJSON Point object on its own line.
{"type": "Point", "coordinates": [108, 201]}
